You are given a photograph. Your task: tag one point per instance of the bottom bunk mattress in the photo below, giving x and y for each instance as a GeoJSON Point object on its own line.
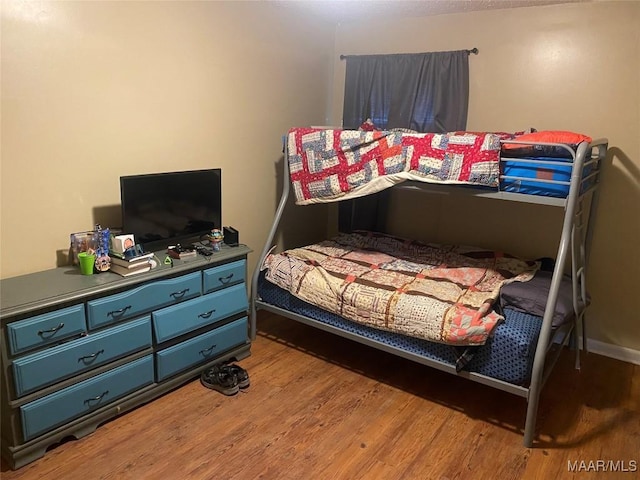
{"type": "Point", "coordinates": [507, 355]}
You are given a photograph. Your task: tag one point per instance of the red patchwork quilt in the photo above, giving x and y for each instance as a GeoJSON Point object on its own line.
{"type": "Point", "coordinates": [332, 164]}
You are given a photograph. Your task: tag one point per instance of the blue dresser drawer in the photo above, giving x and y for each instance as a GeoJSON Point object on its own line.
{"type": "Point", "coordinates": [44, 329]}
{"type": "Point", "coordinates": [143, 299]}
{"type": "Point", "coordinates": [201, 348]}
{"type": "Point", "coordinates": [63, 361]}
{"type": "Point", "coordinates": [60, 407]}
{"type": "Point", "coordinates": [179, 319]}
{"type": "Point", "coordinates": [224, 276]}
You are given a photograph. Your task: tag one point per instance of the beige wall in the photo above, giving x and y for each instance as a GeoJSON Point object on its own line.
{"type": "Point", "coordinates": [564, 67]}
{"type": "Point", "coordinates": [95, 90]}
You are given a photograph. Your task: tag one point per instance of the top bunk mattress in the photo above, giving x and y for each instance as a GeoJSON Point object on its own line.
{"type": "Point", "coordinates": [544, 176]}
{"type": "Point", "coordinates": [543, 168]}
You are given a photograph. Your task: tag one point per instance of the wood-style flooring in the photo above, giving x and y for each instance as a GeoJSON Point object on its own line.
{"type": "Point", "coordinates": [323, 407]}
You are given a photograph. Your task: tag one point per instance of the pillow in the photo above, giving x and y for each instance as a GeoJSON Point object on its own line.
{"type": "Point", "coordinates": [368, 126]}
{"type": "Point", "coordinates": [549, 136]}
{"type": "Point", "coordinates": [531, 297]}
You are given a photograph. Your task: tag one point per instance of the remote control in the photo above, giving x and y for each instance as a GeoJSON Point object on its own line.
{"type": "Point", "coordinates": [204, 251]}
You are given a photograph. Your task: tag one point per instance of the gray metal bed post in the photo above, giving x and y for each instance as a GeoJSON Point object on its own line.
{"type": "Point", "coordinates": [268, 245]}
{"type": "Point", "coordinates": [545, 332]}
{"type": "Point", "coordinates": [602, 145]}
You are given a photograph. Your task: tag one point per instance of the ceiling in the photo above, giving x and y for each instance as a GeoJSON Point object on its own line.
{"type": "Point", "coordinates": [342, 10]}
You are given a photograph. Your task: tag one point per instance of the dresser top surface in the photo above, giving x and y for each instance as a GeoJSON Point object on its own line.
{"type": "Point", "coordinates": [65, 284]}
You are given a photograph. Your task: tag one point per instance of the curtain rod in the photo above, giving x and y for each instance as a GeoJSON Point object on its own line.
{"type": "Point", "coordinates": [474, 50]}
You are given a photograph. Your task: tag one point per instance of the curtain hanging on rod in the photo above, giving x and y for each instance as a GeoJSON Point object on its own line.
{"type": "Point", "coordinates": [426, 92]}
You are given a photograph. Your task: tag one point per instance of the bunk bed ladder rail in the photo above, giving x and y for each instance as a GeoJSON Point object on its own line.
{"type": "Point", "coordinates": [578, 279]}
{"type": "Point", "coordinates": [574, 239]}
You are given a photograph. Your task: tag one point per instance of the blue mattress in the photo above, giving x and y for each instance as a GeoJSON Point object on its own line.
{"type": "Point", "coordinates": [507, 356]}
{"type": "Point", "coordinates": [533, 176]}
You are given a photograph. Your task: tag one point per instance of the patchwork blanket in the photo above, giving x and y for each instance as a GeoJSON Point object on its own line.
{"type": "Point", "coordinates": [437, 293]}
{"type": "Point", "coordinates": [331, 164]}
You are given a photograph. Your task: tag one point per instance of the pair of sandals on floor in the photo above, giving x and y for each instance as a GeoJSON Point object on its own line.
{"type": "Point", "coordinates": [227, 379]}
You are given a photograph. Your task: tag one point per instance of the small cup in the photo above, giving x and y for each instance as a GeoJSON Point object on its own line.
{"type": "Point", "coordinates": [87, 262]}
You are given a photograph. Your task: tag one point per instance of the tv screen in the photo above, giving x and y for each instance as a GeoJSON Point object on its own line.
{"type": "Point", "coordinates": [163, 209]}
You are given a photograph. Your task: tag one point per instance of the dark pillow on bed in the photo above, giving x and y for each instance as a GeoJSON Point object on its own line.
{"type": "Point", "coordinates": [531, 297]}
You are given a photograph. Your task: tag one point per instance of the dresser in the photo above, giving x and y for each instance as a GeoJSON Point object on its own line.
{"type": "Point", "coordinates": [79, 350]}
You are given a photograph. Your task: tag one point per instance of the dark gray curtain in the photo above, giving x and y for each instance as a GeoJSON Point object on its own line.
{"type": "Point", "coordinates": [427, 92]}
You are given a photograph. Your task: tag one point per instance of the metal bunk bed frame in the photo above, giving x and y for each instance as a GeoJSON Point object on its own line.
{"type": "Point", "coordinates": [579, 205]}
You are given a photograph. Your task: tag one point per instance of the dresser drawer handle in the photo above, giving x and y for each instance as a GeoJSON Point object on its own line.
{"type": "Point", "coordinates": [207, 351]}
{"type": "Point", "coordinates": [90, 358]}
{"type": "Point", "coordinates": [207, 314]}
{"type": "Point", "coordinates": [181, 293]}
{"type": "Point", "coordinates": [225, 280]}
{"type": "Point", "coordinates": [96, 399]}
{"type": "Point", "coordinates": [119, 313]}
{"type": "Point", "coordinates": [51, 330]}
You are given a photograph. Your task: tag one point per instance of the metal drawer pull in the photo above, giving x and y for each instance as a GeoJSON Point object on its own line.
{"type": "Point", "coordinates": [207, 314]}
{"type": "Point", "coordinates": [207, 351]}
{"type": "Point", "coordinates": [51, 330]}
{"type": "Point", "coordinates": [96, 399]}
{"type": "Point", "coordinates": [90, 357]}
{"type": "Point", "coordinates": [179, 294]}
{"type": "Point", "coordinates": [119, 313]}
{"type": "Point", "coordinates": [226, 279]}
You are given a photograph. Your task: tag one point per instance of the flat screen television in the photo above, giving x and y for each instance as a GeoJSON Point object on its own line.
{"type": "Point", "coordinates": [162, 209]}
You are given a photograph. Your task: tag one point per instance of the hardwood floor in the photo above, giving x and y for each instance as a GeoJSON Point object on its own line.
{"type": "Point", "coordinates": [322, 407]}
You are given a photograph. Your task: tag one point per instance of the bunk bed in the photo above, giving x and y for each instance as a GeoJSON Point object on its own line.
{"type": "Point", "coordinates": [521, 315]}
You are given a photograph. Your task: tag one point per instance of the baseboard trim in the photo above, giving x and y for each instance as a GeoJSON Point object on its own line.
{"type": "Point", "coordinates": [614, 351]}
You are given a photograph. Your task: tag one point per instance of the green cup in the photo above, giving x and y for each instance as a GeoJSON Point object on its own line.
{"type": "Point", "coordinates": [87, 262]}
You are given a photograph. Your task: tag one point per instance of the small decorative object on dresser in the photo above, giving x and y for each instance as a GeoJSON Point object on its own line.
{"type": "Point", "coordinates": [120, 243]}
{"type": "Point", "coordinates": [216, 238]}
